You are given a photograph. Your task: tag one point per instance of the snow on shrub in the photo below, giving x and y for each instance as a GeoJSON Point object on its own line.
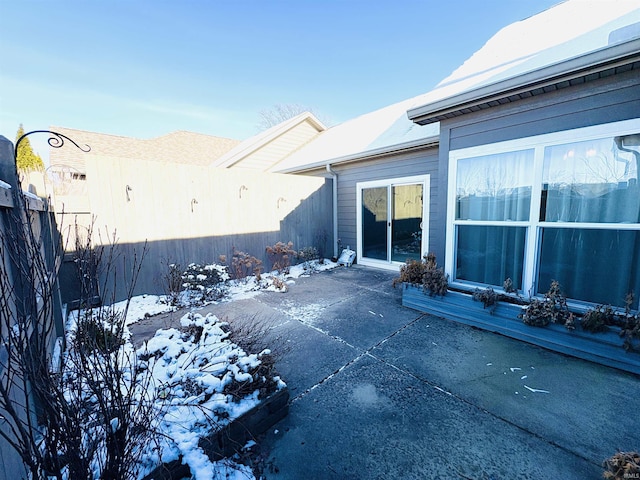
{"type": "Point", "coordinates": [200, 285]}
{"type": "Point", "coordinates": [203, 284]}
{"type": "Point", "coordinates": [204, 381]}
{"type": "Point", "coordinates": [198, 382]}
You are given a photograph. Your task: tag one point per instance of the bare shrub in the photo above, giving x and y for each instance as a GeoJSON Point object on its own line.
{"type": "Point", "coordinates": [257, 335]}
{"type": "Point", "coordinates": [172, 283]}
{"type": "Point", "coordinates": [307, 256]}
{"type": "Point", "coordinates": [91, 418]}
{"type": "Point", "coordinates": [622, 465]}
{"type": "Point", "coordinates": [426, 273]}
{"type": "Point", "coordinates": [411, 272]}
{"type": "Point", "coordinates": [553, 308]}
{"type": "Point", "coordinates": [280, 256]}
{"type": "Point", "coordinates": [601, 317]}
{"type": "Point", "coordinates": [434, 280]}
{"type": "Point", "coordinates": [244, 264]}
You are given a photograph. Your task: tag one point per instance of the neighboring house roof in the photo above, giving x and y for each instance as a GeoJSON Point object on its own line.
{"type": "Point", "coordinates": [572, 42]}
{"type": "Point", "coordinates": [264, 150]}
{"type": "Point", "coordinates": [176, 147]}
{"type": "Point", "coordinates": [382, 131]}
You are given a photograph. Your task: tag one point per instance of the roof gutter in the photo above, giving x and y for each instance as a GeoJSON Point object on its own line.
{"type": "Point", "coordinates": [500, 92]}
{"type": "Point", "coordinates": [334, 177]}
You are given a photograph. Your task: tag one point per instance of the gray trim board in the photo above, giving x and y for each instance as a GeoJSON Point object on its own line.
{"type": "Point", "coordinates": [604, 101]}
{"type": "Point", "coordinates": [607, 61]}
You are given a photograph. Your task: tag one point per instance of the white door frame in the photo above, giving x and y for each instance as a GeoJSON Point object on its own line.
{"type": "Point", "coordinates": [425, 181]}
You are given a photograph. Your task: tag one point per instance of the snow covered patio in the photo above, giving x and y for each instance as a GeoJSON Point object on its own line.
{"type": "Point", "coordinates": [382, 391]}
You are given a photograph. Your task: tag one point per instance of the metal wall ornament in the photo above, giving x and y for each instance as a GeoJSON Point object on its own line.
{"type": "Point", "coordinates": [56, 140]}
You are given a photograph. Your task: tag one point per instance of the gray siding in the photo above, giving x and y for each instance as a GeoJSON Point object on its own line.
{"type": "Point", "coordinates": [606, 100]}
{"type": "Point", "coordinates": [419, 162]}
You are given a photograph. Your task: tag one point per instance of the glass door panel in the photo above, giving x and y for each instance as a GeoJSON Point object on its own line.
{"type": "Point", "coordinates": [374, 223]}
{"type": "Point", "coordinates": [406, 222]}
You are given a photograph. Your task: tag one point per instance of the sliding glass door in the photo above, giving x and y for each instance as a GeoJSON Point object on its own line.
{"type": "Point", "coordinates": [375, 215]}
{"type": "Point", "coordinates": [391, 220]}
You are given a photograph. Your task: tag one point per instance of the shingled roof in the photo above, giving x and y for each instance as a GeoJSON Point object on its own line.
{"type": "Point", "coordinates": [176, 147]}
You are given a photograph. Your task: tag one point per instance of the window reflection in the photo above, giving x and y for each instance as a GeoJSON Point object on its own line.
{"type": "Point", "coordinates": [591, 181]}
{"type": "Point", "coordinates": [495, 187]}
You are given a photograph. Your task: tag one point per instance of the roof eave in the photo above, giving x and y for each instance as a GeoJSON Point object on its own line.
{"type": "Point", "coordinates": [527, 84]}
{"type": "Point", "coordinates": [276, 132]}
{"type": "Point", "coordinates": [367, 154]}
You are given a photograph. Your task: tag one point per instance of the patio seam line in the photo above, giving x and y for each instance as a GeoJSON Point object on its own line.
{"type": "Point", "coordinates": [363, 353]}
{"type": "Point", "coordinates": [478, 407]}
{"type": "Point", "coordinates": [325, 379]}
{"type": "Point", "coordinates": [364, 287]}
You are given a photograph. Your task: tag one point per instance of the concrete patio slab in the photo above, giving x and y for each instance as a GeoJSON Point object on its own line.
{"type": "Point", "coordinates": [574, 403]}
{"type": "Point", "coordinates": [309, 356]}
{"type": "Point", "coordinates": [364, 319]}
{"type": "Point", "coordinates": [373, 421]}
{"type": "Point", "coordinates": [457, 387]}
{"type": "Point", "coordinates": [382, 391]}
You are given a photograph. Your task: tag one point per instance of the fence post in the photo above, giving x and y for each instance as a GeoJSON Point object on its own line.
{"type": "Point", "coordinates": [7, 165]}
{"type": "Point", "coordinates": [11, 464]}
{"type": "Point", "coordinates": [13, 225]}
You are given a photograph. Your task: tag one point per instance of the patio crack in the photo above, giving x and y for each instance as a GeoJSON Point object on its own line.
{"type": "Point", "coordinates": [363, 353]}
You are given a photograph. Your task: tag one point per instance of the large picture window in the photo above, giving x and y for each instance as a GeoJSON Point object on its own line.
{"type": "Point", "coordinates": [494, 187]}
{"type": "Point", "coordinates": [562, 207]}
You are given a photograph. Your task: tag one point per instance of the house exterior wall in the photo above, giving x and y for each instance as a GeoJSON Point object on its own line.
{"type": "Point", "coordinates": [607, 100]}
{"type": "Point", "coordinates": [417, 162]}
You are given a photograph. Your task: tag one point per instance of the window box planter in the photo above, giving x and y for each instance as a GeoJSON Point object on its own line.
{"type": "Point", "coordinates": [604, 348]}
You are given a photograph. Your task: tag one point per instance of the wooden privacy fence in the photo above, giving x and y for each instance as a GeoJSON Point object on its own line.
{"type": "Point", "coordinates": [189, 213]}
{"type": "Point", "coordinates": [18, 280]}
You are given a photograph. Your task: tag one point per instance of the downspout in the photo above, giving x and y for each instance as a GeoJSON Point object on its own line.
{"type": "Point", "coordinates": [334, 177]}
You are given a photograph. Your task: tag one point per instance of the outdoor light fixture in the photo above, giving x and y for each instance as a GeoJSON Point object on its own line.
{"type": "Point", "coordinates": [126, 191]}
{"type": "Point", "coordinates": [281, 199]}
{"type": "Point", "coordinates": [193, 202]}
{"type": "Point", "coordinates": [242, 187]}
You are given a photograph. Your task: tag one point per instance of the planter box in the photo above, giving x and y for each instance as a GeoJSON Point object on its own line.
{"type": "Point", "coordinates": [604, 348]}
{"type": "Point", "coordinates": [231, 438]}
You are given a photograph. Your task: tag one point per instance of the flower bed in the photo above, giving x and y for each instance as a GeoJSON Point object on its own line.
{"type": "Point", "coordinates": [604, 348]}
{"type": "Point", "coordinates": [199, 384]}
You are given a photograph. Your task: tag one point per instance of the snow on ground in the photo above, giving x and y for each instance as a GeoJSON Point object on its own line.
{"type": "Point", "coordinates": [306, 314]}
{"type": "Point", "coordinates": [192, 368]}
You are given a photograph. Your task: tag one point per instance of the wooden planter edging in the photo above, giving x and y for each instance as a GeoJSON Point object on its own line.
{"type": "Point", "coordinates": [230, 439]}
{"type": "Point", "coordinates": [604, 348]}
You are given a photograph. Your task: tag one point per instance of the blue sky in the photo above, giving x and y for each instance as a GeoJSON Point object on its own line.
{"type": "Point", "coordinates": [144, 68]}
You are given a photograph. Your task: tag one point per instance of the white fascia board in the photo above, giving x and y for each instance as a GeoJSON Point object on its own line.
{"type": "Point", "coordinates": [367, 154]}
{"type": "Point", "coordinates": [591, 62]}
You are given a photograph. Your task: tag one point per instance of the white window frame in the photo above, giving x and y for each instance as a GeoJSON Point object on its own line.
{"type": "Point", "coordinates": [534, 225]}
{"type": "Point", "coordinates": [425, 181]}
